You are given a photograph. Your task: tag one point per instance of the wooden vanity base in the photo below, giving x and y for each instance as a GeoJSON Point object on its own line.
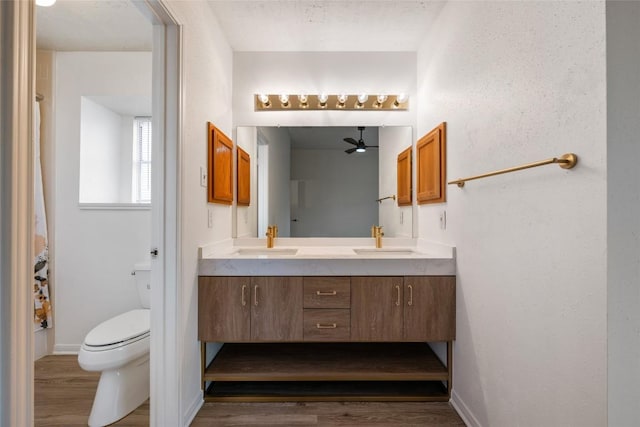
{"type": "Point", "coordinates": [250, 372]}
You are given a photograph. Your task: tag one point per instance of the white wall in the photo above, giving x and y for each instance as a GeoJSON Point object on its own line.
{"type": "Point", "coordinates": [518, 82]}
{"type": "Point", "coordinates": [206, 77]}
{"type": "Point", "coordinates": [396, 220]}
{"type": "Point", "coordinates": [100, 143]}
{"type": "Point", "coordinates": [95, 250]}
{"type": "Point", "coordinates": [623, 199]}
{"type": "Point", "coordinates": [336, 192]}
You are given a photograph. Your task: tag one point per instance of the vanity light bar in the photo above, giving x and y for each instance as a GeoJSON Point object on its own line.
{"type": "Point", "coordinates": [360, 102]}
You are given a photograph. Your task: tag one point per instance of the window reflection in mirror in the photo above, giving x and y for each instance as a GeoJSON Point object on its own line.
{"type": "Point", "coordinates": [115, 150]}
{"type": "Point", "coordinates": [305, 182]}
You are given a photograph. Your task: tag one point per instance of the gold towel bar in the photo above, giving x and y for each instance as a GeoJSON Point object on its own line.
{"type": "Point", "coordinates": [566, 161]}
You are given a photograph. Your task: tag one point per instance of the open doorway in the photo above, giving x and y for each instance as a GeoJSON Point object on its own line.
{"type": "Point", "coordinates": [166, 88]}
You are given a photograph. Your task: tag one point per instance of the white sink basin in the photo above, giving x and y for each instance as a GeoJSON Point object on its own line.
{"type": "Point", "coordinates": [384, 251]}
{"type": "Point", "coordinates": [267, 251]}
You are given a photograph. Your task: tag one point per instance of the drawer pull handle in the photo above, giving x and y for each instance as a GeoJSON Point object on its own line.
{"type": "Point", "coordinates": [255, 295]}
{"type": "Point", "coordinates": [330, 326]}
{"type": "Point", "coordinates": [326, 293]}
{"type": "Point", "coordinates": [398, 299]}
{"type": "Point", "coordinates": [410, 294]}
{"type": "Point", "coordinates": [244, 301]}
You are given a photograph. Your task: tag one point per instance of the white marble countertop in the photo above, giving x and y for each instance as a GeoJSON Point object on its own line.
{"type": "Point", "coordinates": [326, 257]}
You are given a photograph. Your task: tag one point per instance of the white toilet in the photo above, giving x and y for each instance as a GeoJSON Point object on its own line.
{"type": "Point", "coordinates": [119, 348]}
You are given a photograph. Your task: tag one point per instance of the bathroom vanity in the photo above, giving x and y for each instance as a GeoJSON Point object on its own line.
{"type": "Point", "coordinates": [326, 319]}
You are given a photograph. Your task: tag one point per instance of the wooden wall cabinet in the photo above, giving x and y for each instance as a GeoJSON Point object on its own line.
{"type": "Point", "coordinates": [219, 166]}
{"type": "Point", "coordinates": [244, 177]}
{"type": "Point", "coordinates": [431, 166]}
{"type": "Point", "coordinates": [404, 178]}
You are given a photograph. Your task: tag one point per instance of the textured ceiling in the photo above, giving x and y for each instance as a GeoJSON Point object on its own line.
{"type": "Point", "coordinates": [267, 25]}
{"type": "Point", "coordinates": [92, 25]}
{"type": "Point", "coordinates": [325, 25]}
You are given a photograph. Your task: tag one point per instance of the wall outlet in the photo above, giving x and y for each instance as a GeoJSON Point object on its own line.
{"type": "Point", "coordinates": [203, 177]}
{"type": "Point", "coordinates": [209, 218]}
{"type": "Point", "coordinates": [443, 220]}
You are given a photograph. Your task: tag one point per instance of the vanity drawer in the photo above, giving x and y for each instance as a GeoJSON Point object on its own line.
{"type": "Point", "coordinates": [327, 292]}
{"type": "Point", "coordinates": [327, 325]}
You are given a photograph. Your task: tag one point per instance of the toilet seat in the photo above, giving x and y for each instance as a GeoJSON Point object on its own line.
{"type": "Point", "coordinates": [118, 331]}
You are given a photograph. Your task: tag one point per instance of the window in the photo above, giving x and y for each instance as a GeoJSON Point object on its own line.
{"type": "Point", "coordinates": [141, 189]}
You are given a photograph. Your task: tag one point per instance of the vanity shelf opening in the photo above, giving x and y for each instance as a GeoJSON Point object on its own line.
{"type": "Point", "coordinates": [326, 372]}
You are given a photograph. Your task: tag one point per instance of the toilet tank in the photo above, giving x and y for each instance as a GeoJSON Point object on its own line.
{"type": "Point", "coordinates": [143, 282]}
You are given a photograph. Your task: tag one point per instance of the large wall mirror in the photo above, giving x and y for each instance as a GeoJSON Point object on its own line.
{"type": "Point", "coordinates": [305, 181]}
{"type": "Point", "coordinates": [115, 150]}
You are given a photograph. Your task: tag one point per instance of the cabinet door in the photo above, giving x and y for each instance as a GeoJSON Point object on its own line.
{"type": "Point", "coordinates": [404, 178]}
{"type": "Point", "coordinates": [220, 167]}
{"type": "Point", "coordinates": [430, 308]}
{"type": "Point", "coordinates": [376, 308]}
{"type": "Point", "coordinates": [223, 309]}
{"type": "Point", "coordinates": [431, 165]}
{"type": "Point", "coordinates": [276, 309]}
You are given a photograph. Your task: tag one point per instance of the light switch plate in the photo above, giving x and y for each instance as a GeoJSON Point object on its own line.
{"type": "Point", "coordinates": [203, 177]}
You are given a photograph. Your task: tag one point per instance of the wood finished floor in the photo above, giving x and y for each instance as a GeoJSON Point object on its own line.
{"type": "Point", "coordinates": [64, 395]}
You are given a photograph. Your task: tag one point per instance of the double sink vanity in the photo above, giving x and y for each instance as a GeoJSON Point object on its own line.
{"type": "Point", "coordinates": [326, 319]}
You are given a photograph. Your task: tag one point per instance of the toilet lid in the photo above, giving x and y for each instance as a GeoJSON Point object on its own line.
{"type": "Point", "coordinates": [121, 328]}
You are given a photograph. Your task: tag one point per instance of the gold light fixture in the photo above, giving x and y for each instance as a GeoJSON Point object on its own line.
{"type": "Point", "coordinates": [323, 101]}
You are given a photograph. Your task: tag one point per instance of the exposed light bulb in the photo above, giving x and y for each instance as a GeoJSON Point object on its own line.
{"type": "Point", "coordinates": [302, 99]}
{"type": "Point", "coordinates": [322, 100]}
{"type": "Point", "coordinates": [264, 100]}
{"type": "Point", "coordinates": [342, 99]}
{"type": "Point", "coordinates": [400, 99]}
{"type": "Point", "coordinates": [362, 98]}
{"type": "Point", "coordinates": [45, 3]}
{"type": "Point", "coordinates": [284, 100]}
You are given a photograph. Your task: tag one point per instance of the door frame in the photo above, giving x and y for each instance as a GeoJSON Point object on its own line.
{"type": "Point", "coordinates": [166, 406]}
{"type": "Point", "coordinates": [17, 89]}
{"type": "Point", "coordinates": [17, 86]}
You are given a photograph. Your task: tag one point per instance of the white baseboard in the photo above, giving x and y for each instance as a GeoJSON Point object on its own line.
{"type": "Point", "coordinates": [463, 410]}
{"type": "Point", "coordinates": [194, 407]}
{"type": "Point", "coordinates": [66, 348]}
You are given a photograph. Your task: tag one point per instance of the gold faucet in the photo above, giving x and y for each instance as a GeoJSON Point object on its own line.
{"type": "Point", "coordinates": [272, 233]}
{"type": "Point", "coordinates": [376, 232]}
